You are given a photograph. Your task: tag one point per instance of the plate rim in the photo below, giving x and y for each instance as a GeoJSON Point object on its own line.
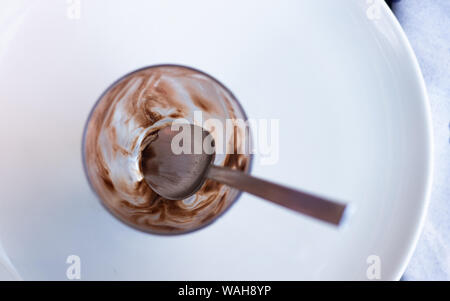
{"type": "Point", "coordinates": [429, 162]}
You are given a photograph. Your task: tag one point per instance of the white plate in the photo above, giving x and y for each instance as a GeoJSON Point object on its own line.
{"type": "Point", "coordinates": [354, 124]}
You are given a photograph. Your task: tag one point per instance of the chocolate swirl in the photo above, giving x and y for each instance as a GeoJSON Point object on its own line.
{"type": "Point", "coordinates": [125, 121]}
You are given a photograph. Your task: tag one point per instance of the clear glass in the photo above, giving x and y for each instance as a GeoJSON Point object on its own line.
{"type": "Point", "coordinates": [135, 106]}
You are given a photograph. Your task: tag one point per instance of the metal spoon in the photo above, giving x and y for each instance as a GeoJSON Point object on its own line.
{"type": "Point", "coordinates": [177, 176]}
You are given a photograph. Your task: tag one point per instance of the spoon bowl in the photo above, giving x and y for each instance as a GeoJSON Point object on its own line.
{"type": "Point", "coordinates": [173, 174]}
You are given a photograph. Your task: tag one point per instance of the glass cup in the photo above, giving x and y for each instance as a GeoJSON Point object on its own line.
{"type": "Point", "coordinates": [133, 109]}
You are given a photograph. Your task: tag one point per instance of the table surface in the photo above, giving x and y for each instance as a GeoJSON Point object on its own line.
{"type": "Point", "coordinates": [427, 24]}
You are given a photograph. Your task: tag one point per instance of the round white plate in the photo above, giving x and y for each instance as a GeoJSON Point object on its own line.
{"type": "Point", "coordinates": [339, 75]}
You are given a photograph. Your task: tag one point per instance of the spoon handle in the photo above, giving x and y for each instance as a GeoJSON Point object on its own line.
{"type": "Point", "coordinates": [305, 203]}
